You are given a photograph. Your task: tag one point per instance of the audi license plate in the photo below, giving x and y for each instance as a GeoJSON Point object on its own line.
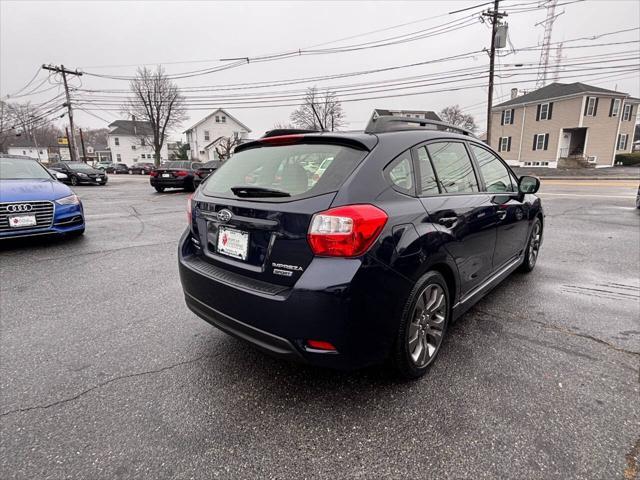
{"type": "Point", "coordinates": [23, 221]}
{"type": "Point", "coordinates": [233, 243]}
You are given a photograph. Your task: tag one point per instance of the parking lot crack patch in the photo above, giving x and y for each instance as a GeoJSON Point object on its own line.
{"type": "Point", "coordinates": [567, 331]}
{"type": "Point", "coordinates": [100, 385]}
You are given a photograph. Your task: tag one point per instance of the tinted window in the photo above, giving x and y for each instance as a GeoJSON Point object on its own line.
{"type": "Point", "coordinates": [400, 173]}
{"type": "Point", "coordinates": [79, 166]}
{"type": "Point", "coordinates": [185, 165]}
{"type": "Point", "coordinates": [428, 183]}
{"type": "Point", "coordinates": [495, 174]}
{"type": "Point", "coordinates": [11, 168]}
{"type": "Point", "coordinates": [300, 169]}
{"type": "Point", "coordinates": [453, 167]}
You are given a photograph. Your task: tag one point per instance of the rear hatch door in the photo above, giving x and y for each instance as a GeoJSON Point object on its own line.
{"type": "Point", "coordinates": [253, 215]}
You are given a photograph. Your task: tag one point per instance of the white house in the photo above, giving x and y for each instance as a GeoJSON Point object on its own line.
{"type": "Point", "coordinates": [131, 141]}
{"type": "Point", "coordinates": [207, 133]}
{"type": "Point", "coordinates": [41, 153]}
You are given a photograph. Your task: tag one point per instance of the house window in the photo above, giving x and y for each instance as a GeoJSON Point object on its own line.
{"type": "Point", "coordinates": [626, 113]}
{"type": "Point", "coordinates": [592, 105]}
{"type": "Point", "coordinates": [224, 119]}
{"type": "Point", "coordinates": [615, 107]}
{"type": "Point", "coordinates": [118, 157]}
{"type": "Point", "coordinates": [505, 144]}
{"type": "Point", "coordinates": [217, 119]}
{"type": "Point", "coordinates": [540, 141]}
{"type": "Point", "coordinates": [622, 141]}
{"type": "Point", "coordinates": [133, 147]}
{"type": "Point", "coordinates": [206, 135]}
{"type": "Point", "coordinates": [116, 141]}
{"type": "Point", "coordinates": [544, 111]}
{"type": "Point", "coordinates": [507, 117]}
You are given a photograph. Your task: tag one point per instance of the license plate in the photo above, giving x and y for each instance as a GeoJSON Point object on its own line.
{"type": "Point", "coordinates": [166, 175]}
{"type": "Point", "coordinates": [23, 221]}
{"type": "Point", "coordinates": [98, 179]}
{"type": "Point", "coordinates": [233, 243]}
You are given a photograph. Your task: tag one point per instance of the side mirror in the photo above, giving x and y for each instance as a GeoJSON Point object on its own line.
{"type": "Point", "coordinates": [527, 184]}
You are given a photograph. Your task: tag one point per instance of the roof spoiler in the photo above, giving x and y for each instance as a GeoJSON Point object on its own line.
{"type": "Point", "coordinates": [305, 137]}
{"type": "Point", "coordinates": [277, 132]}
{"type": "Point", "coordinates": [391, 123]}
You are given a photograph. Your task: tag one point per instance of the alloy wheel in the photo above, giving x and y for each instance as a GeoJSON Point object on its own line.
{"type": "Point", "coordinates": [534, 244]}
{"type": "Point", "coordinates": [427, 325]}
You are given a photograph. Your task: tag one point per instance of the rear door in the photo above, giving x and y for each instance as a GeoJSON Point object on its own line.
{"type": "Point", "coordinates": [510, 210]}
{"type": "Point", "coordinates": [253, 215]}
{"type": "Point", "coordinates": [450, 191]}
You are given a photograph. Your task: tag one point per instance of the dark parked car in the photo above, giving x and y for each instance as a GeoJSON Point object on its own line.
{"type": "Point", "coordinates": [402, 232]}
{"type": "Point", "coordinates": [180, 174]}
{"type": "Point", "coordinates": [118, 168]}
{"type": "Point", "coordinates": [205, 170]}
{"type": "Point", "coordinates": [80, 173]}
{"type": "Point", "coordinates": [141, 168]}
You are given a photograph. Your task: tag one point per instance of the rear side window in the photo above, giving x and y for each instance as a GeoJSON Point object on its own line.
{"type": "Point", "coordinates": [400, 173]}
{"type": "Point", "coordinates": [495, 174]}
{"type": "Point", "coordinates": [453, 167]}
{"type": "Point", "coordinates": [301, 170]}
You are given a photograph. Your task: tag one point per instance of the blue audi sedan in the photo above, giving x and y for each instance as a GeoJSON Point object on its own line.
{"type": "Point", "coordinates": [32, 202]}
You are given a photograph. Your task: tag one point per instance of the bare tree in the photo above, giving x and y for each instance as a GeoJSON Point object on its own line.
{"type": "Point", "coordinates": [26, 121]}
{"type": "Point", "coordinates": [319, 111]}
{"type": "Point", "coordinates": [156, 101]}
{"type": "Point", "coordinates": [6, 126]}
{"type": "Point", "coordinates": [453, 115]}
{"type": "Point", "coordinates": [226, 146]}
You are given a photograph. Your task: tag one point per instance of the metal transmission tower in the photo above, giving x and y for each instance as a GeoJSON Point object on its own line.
{"type": "Point", "coordinates": [557, 62]}
{"type": "Point", "coordinates": [546, 42]}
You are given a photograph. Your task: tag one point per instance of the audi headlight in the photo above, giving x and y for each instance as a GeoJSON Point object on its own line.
{"type": "Point", "coordinates": [70, 200]}
{"type": "Point", "coordinates": [83, 175]}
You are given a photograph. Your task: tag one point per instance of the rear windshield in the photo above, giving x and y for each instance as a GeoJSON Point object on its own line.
{"type": "Point", "coordinates": [301, 170]}
{"type": "Point", "coordinates": [18, 169]}
{"type": "Point", "coordinates": [186, 165]}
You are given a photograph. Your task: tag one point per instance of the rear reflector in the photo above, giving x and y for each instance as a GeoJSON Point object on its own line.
{"type": "Point", "coordinates": [345, 231]}
{"type": "Point", "coordinates": [320, 345]}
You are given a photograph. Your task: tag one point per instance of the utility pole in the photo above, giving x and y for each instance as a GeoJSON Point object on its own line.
{"type": "Point", "coordinates": [494, 17]}
{"type": "Point", "coordinates": [84, 153]}
{"type": "Point", "coordinates": [53, 68]}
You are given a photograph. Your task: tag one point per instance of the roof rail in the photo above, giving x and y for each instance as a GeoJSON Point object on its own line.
{"type": "Point", "coordinates": [391, 123]}
{"type": "Point", "coordinates": [277, 132]}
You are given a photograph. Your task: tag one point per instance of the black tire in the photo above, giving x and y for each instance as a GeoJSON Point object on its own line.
{"type": "Point", "coordinates": [159, 189]}
{"type": "Point", "coordinates": [402, 359]}
{"type": "Point", "coordinates": [191, 187]}
{"type": "Point", "coordinates": [73, 180]}
{"type": "Point", "coordinates": [533, 247]}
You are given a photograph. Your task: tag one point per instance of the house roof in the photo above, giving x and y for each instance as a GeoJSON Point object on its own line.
{"type": "Point", "coordinates": [130, 127]}
{"type": "Point", "coordinates": [558, 90]}
{"type": "Point", "coordinates": [428, 114]}
{"type": "Point", "coordinates": [212, 114]}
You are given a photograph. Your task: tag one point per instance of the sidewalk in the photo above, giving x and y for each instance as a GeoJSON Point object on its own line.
{"type": "Point", "coordinates": [613, 173]}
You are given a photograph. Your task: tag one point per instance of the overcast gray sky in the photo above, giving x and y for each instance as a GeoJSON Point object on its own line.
{"type": "Point", "coordinates": [109, 38]}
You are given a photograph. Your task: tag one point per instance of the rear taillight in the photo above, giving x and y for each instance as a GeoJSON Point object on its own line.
{"type": "Point", "coordinates": [345, 231]}
{"type": "Point", "coordinates": [182, 173]}
{"type": "Point", "coordinates": [282, 139]}
{"type": "Point", "coordinates": [153, 173]}
{"type": "Point", "coordinates": [189, 209]}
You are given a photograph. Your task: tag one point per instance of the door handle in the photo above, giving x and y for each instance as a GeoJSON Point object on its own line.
{"type": "Point", "coordinates": [502, 214]}
{"type": "Point", "coordinates": [448, 221]}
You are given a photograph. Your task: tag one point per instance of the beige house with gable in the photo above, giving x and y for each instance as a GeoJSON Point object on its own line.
{"type": "Point", "coordinates": [564, 125]}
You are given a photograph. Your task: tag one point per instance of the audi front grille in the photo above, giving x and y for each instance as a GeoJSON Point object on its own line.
{"type": "Point", "coordinates": [43, 211]}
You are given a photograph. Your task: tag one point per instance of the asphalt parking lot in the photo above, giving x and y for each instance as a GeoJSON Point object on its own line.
{"type": "Point", "coordinates": [106, 374]}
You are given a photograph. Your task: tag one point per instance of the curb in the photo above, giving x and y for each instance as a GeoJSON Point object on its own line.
{"type": "Point", "coordinates": [590, 178]}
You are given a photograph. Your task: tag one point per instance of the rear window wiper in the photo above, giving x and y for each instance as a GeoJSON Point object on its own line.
{"type": "Point", "coordinates": [258, 192]}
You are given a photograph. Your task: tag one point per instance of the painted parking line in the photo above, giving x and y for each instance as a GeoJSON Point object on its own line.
{"type": "Point", "coordinates": [592, 183]}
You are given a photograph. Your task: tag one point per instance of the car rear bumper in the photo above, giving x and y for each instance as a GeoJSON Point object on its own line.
{"type": "Point", "coordinates": [341, 301]}
{"type": "Point", "coordinates": [184, 182]}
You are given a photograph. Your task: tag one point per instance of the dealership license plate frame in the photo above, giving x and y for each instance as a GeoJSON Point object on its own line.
{"type": "Point", "coordinates": [22, 221]}
{"type": "Point", "coordinates": [236, 244]}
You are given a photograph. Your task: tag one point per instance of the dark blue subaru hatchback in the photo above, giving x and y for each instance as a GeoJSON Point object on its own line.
{"type": "Point", "coordinates": [32, 202]}
{"type": "Point", "coordinates": [349, 249]}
